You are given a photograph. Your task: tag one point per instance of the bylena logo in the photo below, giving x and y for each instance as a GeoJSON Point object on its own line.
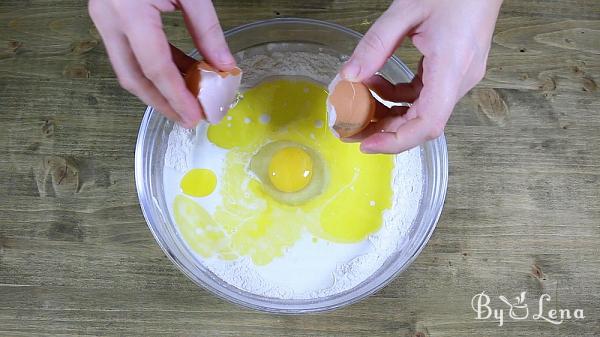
{"type": "Point", "coordinates": [481, 304]}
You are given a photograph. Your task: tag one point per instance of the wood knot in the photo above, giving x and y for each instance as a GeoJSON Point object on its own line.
{"type": "Point", "coordinates": [537, 272]}
{"type": "Point", "coordinates": [589, 84]}
{"type": "Point", "coordinates": [548, 85]}
{"type": "Point", "coordinates": [11, 50]}
{"type": "Point", "coordinates": [67, 229]}
{"type": "Point", "coordinates": [491, 106]}
{"type": "Point", "coordinates": [92, 100]}
{"type": "Point", "coordinates": [33, 146]}
{"type": "Point", "coordinates": [48, 128]}
{"type": "Point", "coordinates": [57, 176]}
{"type": "Point", "coordinates": [6, 242]}
{"type": "Point", "coordinates": [82, 47]}
{"type": "Point", "coordinates": [76, 71]}
{"type": "Point", "coordinates": [93, 32]}
{"type": "Point", "coordinates": [14, 45]}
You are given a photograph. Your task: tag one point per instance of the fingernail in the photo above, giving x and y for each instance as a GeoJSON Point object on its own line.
{"type": "Point", "coordinates": [351, 139]}
{"type": "Point", "coordinates": [351, 70]}
{"type": "Point", "coordinates": [187, 123]}
{"type": "Point", "coordinates": [364, 148]}
{"type": "Point", "coordinates": [215, 119]}
{"type": "Point", "coordinates": [226, 59]}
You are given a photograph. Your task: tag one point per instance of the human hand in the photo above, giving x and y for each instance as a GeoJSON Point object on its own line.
{"type": "Point", "coordinates": [454, 38]}
{"type": "Point", "coordinates": [145, 64]}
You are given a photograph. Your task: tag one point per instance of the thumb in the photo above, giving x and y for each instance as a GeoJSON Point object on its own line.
{"type": "Point", "coordinates": [380, 42]}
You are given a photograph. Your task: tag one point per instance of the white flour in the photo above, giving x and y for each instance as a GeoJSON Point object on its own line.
{"type": "Point", "coordinates": [307, 269]}
{"type": "Point", "coordinates": [263, 62]}
{"type": "Point", "coordinates": [178, 148]}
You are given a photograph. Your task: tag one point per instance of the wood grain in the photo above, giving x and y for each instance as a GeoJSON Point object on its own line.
{"type": "Point", "coordinates": [522, 211]}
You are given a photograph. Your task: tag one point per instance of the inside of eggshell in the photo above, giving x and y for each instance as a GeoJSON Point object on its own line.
{"type": "Point", "coordinates": [202, 65]}
{"type": "Point", "coordinates": [192, 79]}
{"type": "Point", "coordinates": [331, 113]}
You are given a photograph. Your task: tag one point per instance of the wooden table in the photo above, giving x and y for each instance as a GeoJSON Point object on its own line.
{"type": "Point", "coordinates": [522, 211]}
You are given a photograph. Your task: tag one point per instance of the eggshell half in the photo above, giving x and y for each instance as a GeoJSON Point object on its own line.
{"type": "Point", "coordinates": [350, 107]}
{"type": "Point", "coordinates": [216, 90]}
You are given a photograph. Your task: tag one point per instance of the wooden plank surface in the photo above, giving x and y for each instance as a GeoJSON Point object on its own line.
{"type": "Point", "coordinates": [522, 211]}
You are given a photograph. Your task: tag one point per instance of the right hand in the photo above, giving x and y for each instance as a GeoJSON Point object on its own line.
{"type": "Point", "coordinates": [144, 62]}
{"type": "Point", "coordinates": [454, 38]}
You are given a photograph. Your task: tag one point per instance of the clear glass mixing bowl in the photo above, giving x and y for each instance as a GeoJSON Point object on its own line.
{"type": "Point", "coordinates": [152, 143]}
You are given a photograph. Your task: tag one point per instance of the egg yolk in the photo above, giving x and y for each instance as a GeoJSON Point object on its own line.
{"type": "Point", "coordinates": [290, 169]}
{"type": "Point", "coordinates": [250, 223]}
{"type": "Point", "coordinates": [199, 182]}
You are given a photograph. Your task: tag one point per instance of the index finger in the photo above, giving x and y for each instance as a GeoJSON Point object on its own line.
{"type": "Point", "coordinates": [431, 111]}
{"type": "Point", "coordinates": [203, 24]}
{"type": "Point", "coordinates": [152, 51]}
{"type": "Point", "coordinates": [381, 40]}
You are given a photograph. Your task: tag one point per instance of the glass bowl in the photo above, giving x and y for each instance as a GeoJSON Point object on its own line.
{"type": "Point", "coordinates": [288, 33]}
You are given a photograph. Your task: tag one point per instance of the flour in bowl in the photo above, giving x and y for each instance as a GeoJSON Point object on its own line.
{"type": "Point", "coordinates": [310, 267]}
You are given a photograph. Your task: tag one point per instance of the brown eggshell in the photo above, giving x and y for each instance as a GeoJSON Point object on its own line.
{"type": "Point", "coordinates": [353, 107]}
{"type": "Point", "coordinates": [193, 75]}
{"type": "Point", "coordinates": [215, 89]}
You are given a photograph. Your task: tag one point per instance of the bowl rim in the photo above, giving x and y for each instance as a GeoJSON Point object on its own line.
{"type": "Point", "coordinates": [439, 199]}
